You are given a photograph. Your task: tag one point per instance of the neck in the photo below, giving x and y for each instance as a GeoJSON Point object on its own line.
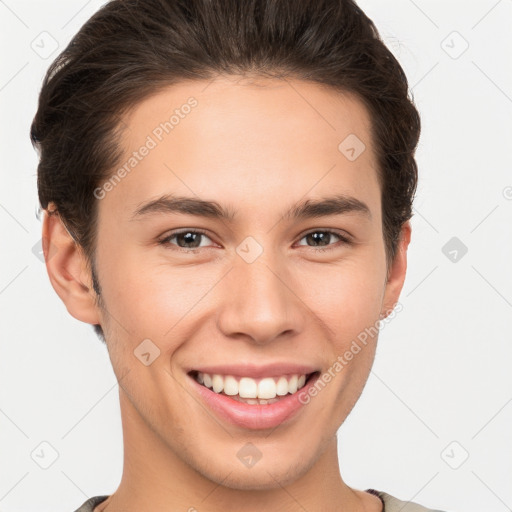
{"type": "Point", "coordinates": [155, 478]}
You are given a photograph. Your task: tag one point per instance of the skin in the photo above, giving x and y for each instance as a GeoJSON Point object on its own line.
{"type": "Point", "coordinates": [257, 147]}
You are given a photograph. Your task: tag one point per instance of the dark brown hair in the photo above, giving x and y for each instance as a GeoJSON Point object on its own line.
{"type": "Point", "coordinates": [130, 49]}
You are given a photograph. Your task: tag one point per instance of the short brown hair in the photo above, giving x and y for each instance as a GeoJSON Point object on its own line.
{"type": "Point", "coordinates": [130, 49]}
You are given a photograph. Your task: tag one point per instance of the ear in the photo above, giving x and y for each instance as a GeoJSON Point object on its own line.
{"type": "Point", "coordinates": [397, 271]}
{"type": "Point", "coordinates": [67, 269]}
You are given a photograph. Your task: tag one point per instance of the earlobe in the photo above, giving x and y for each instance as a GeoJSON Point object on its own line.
{"type": "Point", "coordinates": [67, 269]}
{"type": "Point", "coordinates": [397, 271]}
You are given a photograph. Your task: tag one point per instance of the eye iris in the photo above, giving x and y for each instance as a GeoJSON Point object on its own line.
{"type": "Point", "coordinates": [189, 238]}
{"type": "Point", "coordinates": [320, 236]}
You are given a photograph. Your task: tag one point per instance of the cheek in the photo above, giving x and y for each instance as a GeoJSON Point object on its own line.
{"type": "Point", "coordinates": [347, 298]}
{"type": "Point", "coordinates": [156, 300]}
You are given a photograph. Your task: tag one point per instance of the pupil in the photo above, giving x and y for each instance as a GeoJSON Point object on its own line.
{"type": "Point", "coordinates": [320, 237]}
{"type": "Point", "coordinates": [189, 238]}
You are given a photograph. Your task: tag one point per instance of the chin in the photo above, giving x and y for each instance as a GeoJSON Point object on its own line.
{"type": "Point", "coordinates": [246, 480]}
{"type": "Point", "coordinates": [263, 475]}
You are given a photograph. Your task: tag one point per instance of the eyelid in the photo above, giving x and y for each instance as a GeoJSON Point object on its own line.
{"type": "Point", "coordinates": [164, 239]}
{"type": "Point", "coordinates": [344, 235]}
{"type": "Point", "coordinates": [345, 239]}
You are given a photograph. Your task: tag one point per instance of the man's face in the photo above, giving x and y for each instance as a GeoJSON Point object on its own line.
{"type": "Point", "coordinates": [253, 295]}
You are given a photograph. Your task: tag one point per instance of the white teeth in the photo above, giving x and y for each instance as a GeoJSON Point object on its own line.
{"type": "Point", "coordinates": [230, 386]}
{"type": "Point", "coordinates": [250, 389]}
{"type": "Point", "coordinates": [247, 388]}
{"type": "Point", "coordinates": [217, 383]}
{"type": "Point", "coordinates": [267, 388]}
{"type": "Point", "coordinates": [282, 386]}
{"type": "Point", "coordinates": [292, 384]}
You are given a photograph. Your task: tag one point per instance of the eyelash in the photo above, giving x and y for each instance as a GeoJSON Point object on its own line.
{"type": "Point", "coordinates": [166, 240]}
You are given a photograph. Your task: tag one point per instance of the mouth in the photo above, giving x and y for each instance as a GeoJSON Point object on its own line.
{"type": "Point", "coordinates": [253, 402]}
{"type": "Point", "coordinates": [262, 391]}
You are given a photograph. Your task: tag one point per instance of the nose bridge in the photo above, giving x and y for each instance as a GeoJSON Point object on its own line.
{"type": "Point", "coordinates": [259, 300]}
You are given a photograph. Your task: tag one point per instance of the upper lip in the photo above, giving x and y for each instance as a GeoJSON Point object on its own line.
{"type": "Point", "coordinates": [256, 371]}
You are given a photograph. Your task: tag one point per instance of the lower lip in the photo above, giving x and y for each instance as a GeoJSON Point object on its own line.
{"type": "Point", "coordinates": [254, 416]}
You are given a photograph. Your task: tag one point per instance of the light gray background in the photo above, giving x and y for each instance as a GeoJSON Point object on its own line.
{"type": "Point", "coordinates": [440, 389]}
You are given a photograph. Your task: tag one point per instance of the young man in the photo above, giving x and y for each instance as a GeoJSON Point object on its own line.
{"type": "Point", "coordinates": [227, 190]}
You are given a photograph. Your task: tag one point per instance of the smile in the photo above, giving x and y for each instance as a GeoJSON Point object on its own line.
{"type": "Point", "coordinates": [256, 402]}
{"type": "Point", "coordinates": [252, 391]}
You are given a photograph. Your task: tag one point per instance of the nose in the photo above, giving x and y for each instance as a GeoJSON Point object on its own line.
{"type": "Point", "coordinates": [261, 302]}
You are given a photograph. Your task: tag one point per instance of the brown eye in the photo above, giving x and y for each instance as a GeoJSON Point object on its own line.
{"type": "Point", "coordinates": [322, 238]}
{"type": "Point", "coordinates": [185, 239]}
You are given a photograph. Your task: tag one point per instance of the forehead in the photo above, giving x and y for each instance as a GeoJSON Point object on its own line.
{"type": "Point", "coordinates": [258, 141]}
{"type": "Point", "coordinates": [255, 106]}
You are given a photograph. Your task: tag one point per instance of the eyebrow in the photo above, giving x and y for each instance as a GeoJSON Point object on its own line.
{"type": "Point", "coordinates": [308, 209]}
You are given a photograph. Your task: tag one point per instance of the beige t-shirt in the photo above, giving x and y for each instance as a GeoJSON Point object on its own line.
{"type": "Point", "coordinates": [390, 504]}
